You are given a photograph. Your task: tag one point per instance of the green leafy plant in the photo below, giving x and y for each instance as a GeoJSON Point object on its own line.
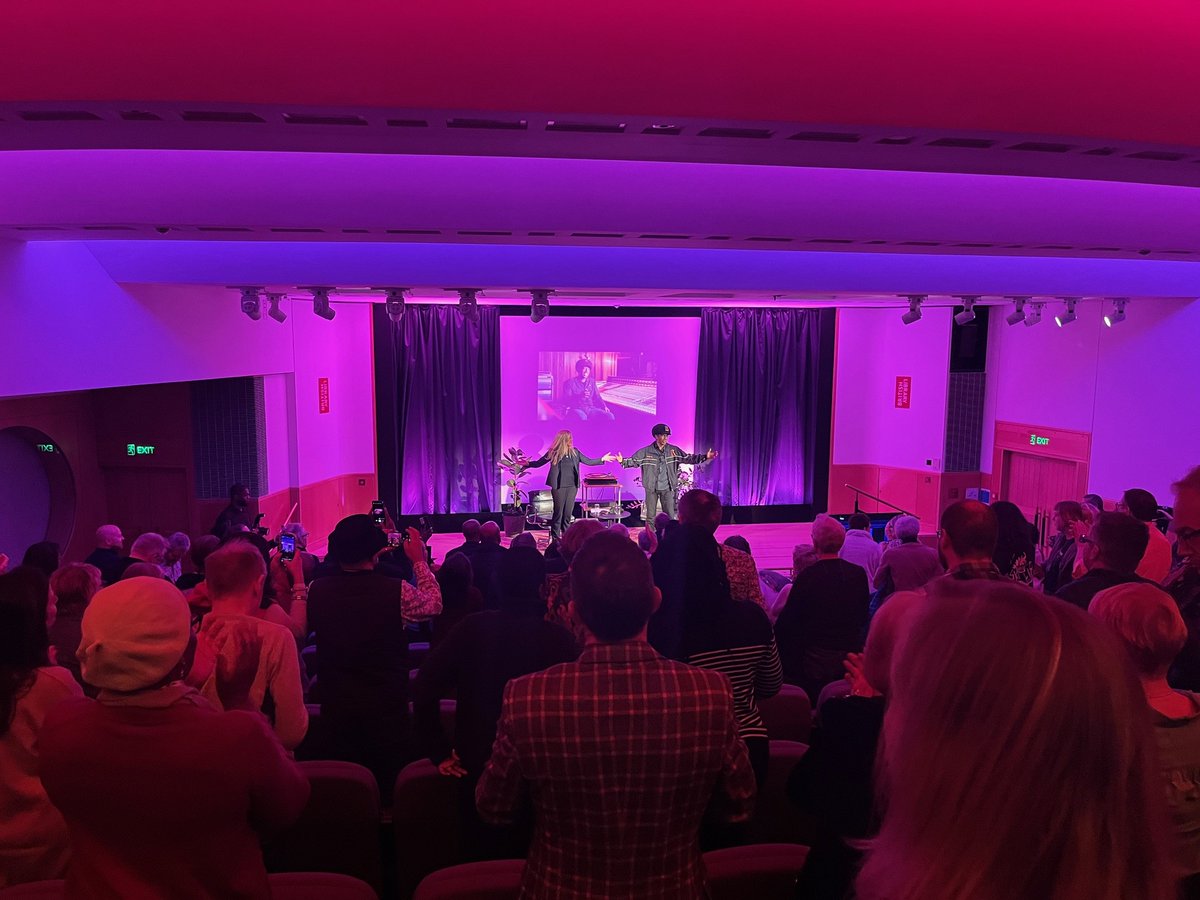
{"type": "Point", "coordinates": [513, 462]}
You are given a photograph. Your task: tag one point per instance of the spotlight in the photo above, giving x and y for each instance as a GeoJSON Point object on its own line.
{"type": "Point", "coordinates": [251, 303]}
{"type": "Point", "coordinates": [1068, 316]}
{"type": "Point", "coordinates": [275, 312]}
{"type": "Point", "coordinates": [541, 304]}
{"type": "Point", "coordinates": [1035, 317]}
{"type": "Point", "coordinates": [394, 302]}
{"type": "Point", "coordinates": [468, 303]}
{"type": "Point", "coordinates": [968, 314]}
{"type": "Point", "coordinates": [1117, 316]}
{"type": "Point", "coordinates": [1018, 314]}
{"type": "Point", "coordinates": [321, 305]}
{"type": "Point", "coordinates": [914, 308]}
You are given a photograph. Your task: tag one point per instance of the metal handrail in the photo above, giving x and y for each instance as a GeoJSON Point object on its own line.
{"type": "Point", "coordinates": [860, 492]}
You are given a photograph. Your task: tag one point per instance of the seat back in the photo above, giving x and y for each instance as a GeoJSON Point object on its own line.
{"type": "Point", "coordinates": [787, 715]}
{"type": "Point", "coordinates": [776, 820]}
{"type": "Point", "coordinates": [425, 820]}
{"type": "Point", "coordinates": [339, 830]}
{"type": "Point", "coordinates": [35, 890]}
{"type": "Point", "coordinates": [493, 880]}
{"type": "Point", "coordinates": [761, 871]}
{"type": "Point", "coordinates": [319, 886]}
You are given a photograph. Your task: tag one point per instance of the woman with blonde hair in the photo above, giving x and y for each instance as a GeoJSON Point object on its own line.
{"type": "Point", "coordinates": [1016, 758]}
{"type": "Point", "coordinates": [563, 477]}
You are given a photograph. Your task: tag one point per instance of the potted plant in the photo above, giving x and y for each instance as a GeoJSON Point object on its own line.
{"type": "Point", "coordinates": [513, 462]}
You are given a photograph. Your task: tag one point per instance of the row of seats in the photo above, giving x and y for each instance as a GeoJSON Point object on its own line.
{"type": "Point", "coordinates": [286, 886]}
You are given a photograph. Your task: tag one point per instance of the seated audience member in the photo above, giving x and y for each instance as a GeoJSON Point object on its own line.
{"type": "Point", "coordinates": [703, 509]}
{"type": "Point", "coordinates": [485, 562]}
{"type": "Point", "coordinates": [803, 556]}
{"type": "Point", "coordinates": [620, 528]}
{"type": "Point", "coordinates": [860, 547]}
{"type": "Point", "coordinates": [236, 516]}
{"type": "Point", "coordinates": [967, 545]}
{"type": "Point", "coordinates": [662, 521]}
{"type": "Point", "coordinates": [460, 597]}
{"type": "Point", "coordinates": [149, 548]}
{"type": "Point", "coordinates": [235, 575]}
{"type": "Point", "coordinates": [163, 795]}
{"type": "Point", "coordinates": [647, 542]}
{"type": "Point", "coordinates": [473, 664]}
{"type": "Point", "coordinates": [1156, 562]}
{"type": "Point", "coordinates": [107, 555]}
{"type": "Point", "coordinates": [73, 585]}
{"type": "Point", "coordinates": [1008, 774]}
{"type": "Point", "coordinates": [729, 636]}
{"type": "Point", "coordinates": [201, 548]}
{"type": "Point", "coordinates": [33, 836]}
{"type": "Point", "coordinates": [524, 539]}
{"type": "Point", "coordinates": [826, 613]}
{"type": "Point", "coordinates": [143, 570]}
{"type": "Point", "coordinates": [1112, 549]}
{"type": "Point", "coordinates": [557, 589]}
{"type": "Point", "coordinates": [1014, 555]}
{"type": "Point", "coordinates": [178, 545]}
{"type": "Point", "coordinates": [471, 540]}
{"type": "Point", "coordinates": [1068, 525]}
{"type": "Point", "coordinates": [909, 565]}
{"type": "Point", "coordinates": [1095, 501]}
{"type": "Point", "coordinates": [1184, 581]}
{"type": "Point", "coordinates": [603, 828]}
{"type": "Point", "coordinates": [1147, 622]}
{"type": "Point", "coordinates": [43, 556]}
{"type": "Point", "coordinates": [359, 617]}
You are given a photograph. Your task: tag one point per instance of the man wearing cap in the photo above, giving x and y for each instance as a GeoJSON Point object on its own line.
{"type": "Point", "coordinates": [163, 795]}
{"type": "Point", "coordinates": [660, 462]}
{"type": "Point", "coordinates": [581, 396]}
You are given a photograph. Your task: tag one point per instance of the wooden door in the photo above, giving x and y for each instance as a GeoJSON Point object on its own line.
{"type": "Point", "coordinates": [1038, 482]}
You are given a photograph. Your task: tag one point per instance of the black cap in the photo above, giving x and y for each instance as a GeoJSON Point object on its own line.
{"type": "Point", "coordinates": [658, 429]}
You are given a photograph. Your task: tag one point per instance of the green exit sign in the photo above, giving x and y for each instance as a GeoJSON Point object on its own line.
{"type": "Point", "coordinates": [47, 448]}
{"type": "Point", "coordinates": [1036, 440]}
{"type": "Point", "coordinates": [139, 449]}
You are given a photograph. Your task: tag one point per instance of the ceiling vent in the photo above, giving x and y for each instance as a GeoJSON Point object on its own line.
{"type": "Point", "coordinates": [222, 228]}
{"type": "Point", "coordinates": [770, 240]}
{"type": "Point", "coordinates": [59, 115]}
{"type": "Point", "coordinates": [587, 127]}
{"type": "Point", "coordinates": [752, 133]}
{"type": "Point", "coordinates": [413, 231]}
{"type": "Point", "coordinates": [831, 137]}
{"type": "Point", "coordinates": [597, 234]}
{"type": "Point", "coordinates": [408, 123]}
{"type": "Point", "coordinates": [663, 129]}
{"type": "Point", "coordinates": [480, 233]}
{"type": "Point", "coordinates": [489, 124]}
{"type": "Point", "coordinates": [664, 237]}
{"type": "Point", "coordinates": [1159, 155]}
{"type": "Point", "coordinates": [216, 115]}
{"type": "Point", "coordinates": [1042, 147]}
{"type": "Point", "coordinates": [307, 119]}
{"type": "Point", "coordinates": [963, 143]}
{"type": "Point", "coordinates": [140, 115]}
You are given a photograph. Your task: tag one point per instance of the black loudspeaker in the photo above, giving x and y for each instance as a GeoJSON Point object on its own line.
{"type": "Point", "coordinates": [968, 343]}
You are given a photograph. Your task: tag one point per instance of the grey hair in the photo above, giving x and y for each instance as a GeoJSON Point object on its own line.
{"type": "Point", "coordinates": [179, 540]}
{"type": "Point", "coordinates": [828, 535]}
{"type": "Point", "coordinates": [803, 556]}
{"type": "Point", "coordinates": [907, 528]}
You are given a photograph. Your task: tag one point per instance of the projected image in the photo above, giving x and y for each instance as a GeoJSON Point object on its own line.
{"type": "Point", "coordinates": [595, 385]}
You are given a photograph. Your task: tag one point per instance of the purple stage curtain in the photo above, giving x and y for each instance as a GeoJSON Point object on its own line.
{"type": "Point", "coordinates": [759, 403]}
{"type": "Point", "coordinates": [447, 409]}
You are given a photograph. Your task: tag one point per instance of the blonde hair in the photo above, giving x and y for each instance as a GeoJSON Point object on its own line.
{"type": "Point", "coordinates": [828, 535]}
{"type": "Point", "coordinates": [75, 584]}
{"type": "Point", "coordinates": [1146, 619]}
{"type": "Point", "coordinates": [561, 447]}
{"type": "Point", "coordinates": [1016, 758]}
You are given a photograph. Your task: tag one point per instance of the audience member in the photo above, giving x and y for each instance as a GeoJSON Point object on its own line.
{"type": "Point", "coordinates": [33, 836]}
{"type": "Point", "coordinates": [889, 533]}
{"type": "Point", "coordinates": [826, 613]}
{"type": "Point", "coordinates": [471, 539]}
{"type": "Point", "coordinates": [524, 539]}
{"type": "Point", "coordinates": [43, 556]}
{"type": "Point", "coordinates": [625, 761]}
{"type": "Point", "coordinates": [142, 570]}
{"type": "Point", "coordinates": [1014, 555]}
{"type": "Point", "coordinates": [661, 523]}
{"type": "Point", "coordinates": [201, 548]}
{"type": "Point", "coordinates": [107, 555]}
{"type": "Point", "coordinates": [163, 795]}
{"type": "Point", "coordinates": [1068, 526]}
{"type": "Point", "coordinates": [149, 548]}
{"type": "Point", "coordinates": [359, 617]}
{"type": "Point", "coordinates": [460, 597]}
{"type": "Point", "coordinates": [803, 556]}
{"type": "Point", "coordinates": [860, 547]}
{"type": "Point", "coordinates": [236, 516]}
{"type": "Point", "coordinates": [73, 586]}
{"type": "Point", "coordinates": [1014, 774]}
{"type": "Point", "coordinates": [703, 509]}
{"type": "Point", "coordinates": [1147, 622]}
{"type": "Point", "coordinates": [1156, 562]}
{"type": "Point", "coordinates": [1095, 501]}
{"type": "Point", "coordinates": [557, 588]}
{"type": "Point", "coordinates": [620, 529]}
{"type": "Point", "coordinates": [308, 561]}
{"type": "Point", "coordinates": [1184, 581]}
{"type": "Point", "coordinates": [178, 545]}
{"type": "Point", "coordinates": [485, 562]}
{"type": "Point", "coordinates": [235, 575]}
{"type": "Point", "coordinates": [967, 542]}
{"type": "Point", "coordinates": [909, 565]}
{"type": "Point", "coordinates": [1112, 549]}
{"type": "Point", "coordinates": [473, 664]}
{"type": "Point", "coordinates": [1090, 511]}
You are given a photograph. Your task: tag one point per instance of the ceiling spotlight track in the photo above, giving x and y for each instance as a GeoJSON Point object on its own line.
{"type": "Point", "coordinates": [1035, 316]}
{"type": "Point", "coordinates": [394, 302]}
{"type": "Point", "coordinates": [1068, 315]}
{"type": "Point", "coordinates": [468, 302]}
{"type": "Point", "coordinates": [250, 300]}
{"type": "Point", "coordinates": [321, 307]}
{"type": "Point", "coordinates": [541, 304]}
{"type": "Point", "coordinates": [1018, 314]}
{"type": "Point", "coordinates": [914, 308]}
{"type": "Point", "coordinates": [273, 303]}
{"type": "Point", "coordinates": [968, 313]}
{"type": "Point", "coordinates": [1117, 316]}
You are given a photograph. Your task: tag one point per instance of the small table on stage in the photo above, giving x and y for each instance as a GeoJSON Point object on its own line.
{"type": "Point", "coordinates": [600, 498]}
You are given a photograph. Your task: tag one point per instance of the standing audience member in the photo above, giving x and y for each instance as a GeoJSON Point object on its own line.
{"type": "Point", "coordinates": [1095, 501]}
{"type": "Point", "coordinates": [1068, 526]}
{"type": "Point", "coordinates": [73, 585]}
{"type": "Point", "coordinates": [826, 613]}
{"type": "Point", "coordinates": [703, 509]}
{"type": "Point", "coordinates": [473, 664]}
{"type": "Point", "coordinates": [235, 575]}
{"type": "Point", "coordinates": [1014, 774]}
{"type": "Point", "coordinates": [201, 548]}
{"type": "Point", "coordinates": [107, 555]}
{"type": "Point", "coordinates": [1156, 561]}
{"type": "Point", "coordinates": [360, 618]}
{"type": "Point", "coordinates": [460, 597]}
{"type": "Point", "coordinates": [43, 556]}
{"type": "Point", "coordinates": [909, 565]}
{"type": "Point", "coordinates": [967, 542]}
{"type": "Point", "coordinates": [33, 836]}
{"type": "Point", "coordinates": [148, 548]}
{"type": "Point", "coordinates": [236, 516]}
{"type": "Point", "coordinates": [178, 545]}
{"type": "Point", "coordinates": [1112, 549]}
{"type": "Point", "coordinates": [1184, 581]}
{"type": "Point", "coordinates": [485, 562]}
{"type": "Point", "coordinates": [626, 758]}
{"type": "Point", "coordinates": [163, 795]}
{"type": "Point", "coordinates": [557, 589]}
{"type": "Point", "coordinates": [1147, 622]}
{"type": "Point", "coordinates": [1014, 555]}
{"type": "Point", "coordinates": [860, 547]}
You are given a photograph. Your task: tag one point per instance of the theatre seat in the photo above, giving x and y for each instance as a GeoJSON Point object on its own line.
{"type": "Point", "coordinates": [776, 820]}
{"type": "Point", "coordinates": [34, 890]}
{"type": "Point", "coordinates": [761, 871]}
{"type": "Point", "coordinates": [339, 828]}
{"type": "Point", "coordinates": [425, 820]}
{"type": "Point", "coordinates": [494, 880]}
{"type": "Point", "coordinates": [787, 715]}
{"type": "Point", "coordinates": [319, 886]}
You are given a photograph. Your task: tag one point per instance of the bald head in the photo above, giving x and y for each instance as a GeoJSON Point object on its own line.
{"type": "Point", "coordinates": [489, 533]}
{"type": "Point", "coordinates": [470, 531]}
{"type": "Point", "coordinates": [969, 531]}
{"type": "Point", "coordinates": [701, 508]}
{"type": "Point", "coordinates": [109, 537]}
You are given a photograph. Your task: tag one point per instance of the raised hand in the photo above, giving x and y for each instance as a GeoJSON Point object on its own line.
{"type": "Point", "coordinates": [711, 454]}
{"type": "Point", "coordinates": [619, 457]}
{"type": "Point", "coordinates": [859, 686]}
{"type": "Point", "coordinates": [452, 766]}
{"type": "Point", "coordinates": [608, 457]}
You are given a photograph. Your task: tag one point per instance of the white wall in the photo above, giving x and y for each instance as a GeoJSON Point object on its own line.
{"type": "Point", "coordinates": [873, 347]}
{"type": "Point", "coordinates": [1135, 387]}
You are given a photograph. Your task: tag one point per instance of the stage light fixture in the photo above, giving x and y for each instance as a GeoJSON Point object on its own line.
{"type": "Point", "coordinates": [1117, 316]}
{"type": "Point", "coordinates": [914, 308]}
{"type": "Point", "coordinates": [468, 303]}
{"type": "Point", "coordinates": [321, 305]}
{"type": "Point", "coordinates": [1034, 317]}
{"type": "Point", "coordinates": [394, 302]}
{"type": "Point", "coordinates": [968, 313]}
{"type": "Point", "coordinates": [250, 301]}
{"type": "Point", "coordinates": [273, 302]}
{"type": "Point", "coordinates": [1018, 314]}
{"type": "Point", "coordinates": [541, 304]}
{"type": "Point", "coordinates": [1068, 315]}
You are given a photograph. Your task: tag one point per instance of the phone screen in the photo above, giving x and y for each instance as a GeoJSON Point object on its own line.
{"type": "Point", "coordinates": [395, 538]}
{"type": "Point", "coordinates": [287, 546]}
{"type": "Point", "coordinates": [378, 514]}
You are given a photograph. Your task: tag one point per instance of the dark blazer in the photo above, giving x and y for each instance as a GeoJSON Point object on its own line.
{"type": "Point", "coordinates": [565, 472]}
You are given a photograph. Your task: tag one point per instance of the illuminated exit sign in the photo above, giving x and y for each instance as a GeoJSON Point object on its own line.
{"type": "Point", "coordinates": [1036, 440]}
{"type": "Point", "coordinates": [46, 448]}
{"type": "Point", "coordinates": [139, 449]}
